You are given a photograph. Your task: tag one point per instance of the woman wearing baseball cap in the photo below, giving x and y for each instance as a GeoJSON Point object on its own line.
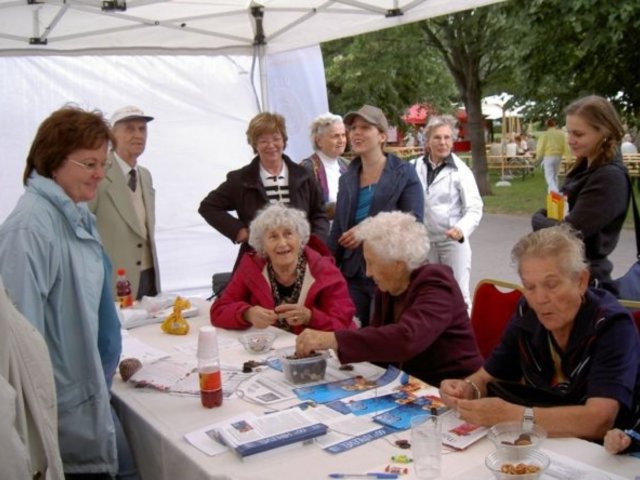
{"type": "Point", "coordinates": [374, 182]}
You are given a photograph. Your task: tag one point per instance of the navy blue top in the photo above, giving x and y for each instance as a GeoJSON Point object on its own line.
{"type": "Point", "coordinates": [602, 358]}
{"type": "Point", "coordinates": [398, 188]}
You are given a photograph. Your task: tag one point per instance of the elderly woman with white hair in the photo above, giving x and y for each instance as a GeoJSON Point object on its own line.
{"type": "Point", "coordinates": [420, 320]}
{"type": "Point", "coordinates": [452, 202]}
{"type": "Point", "coordinates": [329, 139]}
{"type": "Point", "coordinates": [285, 282]}
{"type": "Point", "coordinates": [569, 359]}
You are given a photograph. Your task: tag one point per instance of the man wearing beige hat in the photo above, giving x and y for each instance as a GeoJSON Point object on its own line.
{"type": "Point", "coordinates": [125, 205]}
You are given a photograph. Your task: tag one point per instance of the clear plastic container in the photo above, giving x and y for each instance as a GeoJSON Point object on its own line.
{"type": "Point", "coordinates": [303, 370]}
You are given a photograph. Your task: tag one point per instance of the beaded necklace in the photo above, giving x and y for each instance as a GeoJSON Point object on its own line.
{"type": "Point", "coordinates": [295, 292]}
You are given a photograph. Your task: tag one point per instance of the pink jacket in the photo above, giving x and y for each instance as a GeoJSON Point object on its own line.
{"type": "Point", "coordinates": [328, 297]}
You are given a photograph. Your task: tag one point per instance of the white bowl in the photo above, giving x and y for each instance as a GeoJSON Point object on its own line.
{"type": "Point", "coordinates": [502, 460]}
{"type": "Point", "coordinates": [512, 435]}
{"type": "Point", "coordinates": [258, 342]}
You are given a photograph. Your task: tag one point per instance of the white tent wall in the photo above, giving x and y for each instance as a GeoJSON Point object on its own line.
{"type": "Point", "coordinates": [202, 106]}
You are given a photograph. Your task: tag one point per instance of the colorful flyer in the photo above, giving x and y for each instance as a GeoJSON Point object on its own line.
{"type": "Point", "coordinates": [400, 417]}
{"type": "Point", "coordinates": [332, 391]}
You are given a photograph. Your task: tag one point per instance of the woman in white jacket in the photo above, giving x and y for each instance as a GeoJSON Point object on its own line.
{"type": "Point", "coordinates": [453, 206]}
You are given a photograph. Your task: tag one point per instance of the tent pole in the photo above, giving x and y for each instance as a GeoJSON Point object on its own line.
{"type": "Point", "coordinates": [264, 84]}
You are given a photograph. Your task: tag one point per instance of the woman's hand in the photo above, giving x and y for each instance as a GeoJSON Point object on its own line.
{"type": "Point", "coordinates": [311, 340]}
{"type": "Point", "coordinates": [488, 411]}
{"type": "Point", "coordinates": [260, 317]}
{"type": "Point", "coordinates": [348, 239]}
{"type": "Point", "coordinates": [243, 235]}
{"type": "Point", "coordinates": [453, 390]}
{"type": "Point", "coordinates": [454, 233]}
{"type": "Point", "coordinates": [294, 314]}
{"type": "Point", "coordinates": [615, 441]}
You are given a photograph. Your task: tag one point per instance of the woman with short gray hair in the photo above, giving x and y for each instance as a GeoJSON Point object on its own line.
{"type": "Point", "coordinates": [420, 320]}
{"type": "Point", "coordinates": [275, 217]}
{"type": "Point", "coordinates": [562, 242]}
{"type": "Point", "coordinates": [452, 202]}
{"type": "Point", "coordinates": [412, 247]}
{"type": "Point", "coordinates": [568, 360]}
{"type": "Point", "coordinates": [285, 282]}
{"type": "Point", "coordinates": [329, 139]}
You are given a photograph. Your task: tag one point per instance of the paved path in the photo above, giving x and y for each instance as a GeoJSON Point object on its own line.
{"type": "Point", "coordinates": [491, 245]}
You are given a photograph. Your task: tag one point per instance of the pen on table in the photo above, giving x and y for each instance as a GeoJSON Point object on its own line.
{"type": "Point", "coordinates": [364, 475]}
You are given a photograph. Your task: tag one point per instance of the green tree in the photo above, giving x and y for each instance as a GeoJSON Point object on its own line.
{"type": "Point", "coordinates": [563, 50]}
{"type": "Point", "coordinates": [459, 57]}
{"type": "Point", "coordinates": [472, 44]}
{"type": "Point", "coordinates": [388, 68]}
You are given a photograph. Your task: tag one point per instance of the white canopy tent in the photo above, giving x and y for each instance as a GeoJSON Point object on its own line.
{"type": "Point", "coordinates": [210, 27]}
{"type": "Point", "coordinates": [203, 69]}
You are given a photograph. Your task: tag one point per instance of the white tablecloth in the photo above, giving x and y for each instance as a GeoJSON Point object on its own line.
{"type": "Point", "coordinates": [156, 422]}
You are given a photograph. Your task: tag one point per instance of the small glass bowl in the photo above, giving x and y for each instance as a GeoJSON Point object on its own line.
{"type": "Point", "coordinates": [512, 436]}
{"type": "Point", "coordinates": [258, 342]}
{"type": "Point", "coordinates": [500, 460]}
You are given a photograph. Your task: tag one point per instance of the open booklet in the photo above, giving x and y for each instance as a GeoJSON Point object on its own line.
{"type": "Point", "coordinates": [249, 434]}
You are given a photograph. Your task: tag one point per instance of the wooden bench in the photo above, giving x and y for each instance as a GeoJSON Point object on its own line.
{"type": "Point", "coordinates": [513, 166]}
{"type": "Point", "coordinates": [631, 160]}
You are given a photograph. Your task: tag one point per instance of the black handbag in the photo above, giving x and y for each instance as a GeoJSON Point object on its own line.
{"type": "Point", "coordinates": [628, 285]}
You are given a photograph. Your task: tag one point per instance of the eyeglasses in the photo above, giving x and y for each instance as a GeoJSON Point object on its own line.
{"type": "Point", "coordinates": [92, 165]}
{"type": "Point", "coordinates": [266, 141]}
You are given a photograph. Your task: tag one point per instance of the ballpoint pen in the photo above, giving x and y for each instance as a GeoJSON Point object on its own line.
{"type": "Point", "coordinates": [364, 475]}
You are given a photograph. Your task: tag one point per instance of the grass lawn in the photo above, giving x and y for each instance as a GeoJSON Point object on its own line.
{"type": "Point", "coordinates": [526, 196]}
{"type": "Point", "coordinates": [523, 197]}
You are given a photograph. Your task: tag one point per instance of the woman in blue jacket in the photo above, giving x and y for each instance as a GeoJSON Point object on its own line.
{"type": "Point", "coordinates": [56, 271]}
{"type": "Point", "coordinates": [375, 182]}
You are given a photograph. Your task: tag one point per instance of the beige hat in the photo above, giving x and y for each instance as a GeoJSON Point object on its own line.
{"type": "Point", "coordinates": [128, 113]}
{"type": "Point", "coordinates": [371, 114]}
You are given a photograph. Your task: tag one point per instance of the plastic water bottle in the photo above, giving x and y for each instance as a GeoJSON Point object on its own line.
{"type": "Point", "coordinates": [209, 368]}
{"type": "Point", "coordinates": [426, 446]}
{"type": "Point", "coordinates": [123, 289]}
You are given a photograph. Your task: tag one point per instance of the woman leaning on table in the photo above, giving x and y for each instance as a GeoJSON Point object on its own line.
{"type": "Point", "coordinates": [597, 187]}
{"type": "Point", "coordinates": [373, 183]}
{"type": "Point", "coordinates": [285, 282]}
{"type": "Point", "coordinates": [58, 274]}
{"type": "Point", "coordinates": [420, 320]}
{"type": "Point", "coordinates": [568, 346]}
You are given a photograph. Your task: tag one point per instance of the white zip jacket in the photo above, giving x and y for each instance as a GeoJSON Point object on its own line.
{"type": "Point", "coordinates": [452, 200]}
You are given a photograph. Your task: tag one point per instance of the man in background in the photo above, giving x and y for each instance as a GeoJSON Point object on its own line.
{"type": "Point", "coordinates": [551, 148]}
{"type": "Point", "coordinates": [125, 205]}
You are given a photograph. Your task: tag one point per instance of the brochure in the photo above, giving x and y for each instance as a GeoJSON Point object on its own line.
{"type": "Point", "coordinates": [252, 434]}
{"type": "Point", "coordinates": [457, 433]}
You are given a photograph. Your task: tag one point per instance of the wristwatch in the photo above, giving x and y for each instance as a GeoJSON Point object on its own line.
{"type": "Point", "coordinates": [528, 419]}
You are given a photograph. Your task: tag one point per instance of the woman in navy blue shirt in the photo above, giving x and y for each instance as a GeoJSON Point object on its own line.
{"type": "Point", "coordinates": [374, 182]}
